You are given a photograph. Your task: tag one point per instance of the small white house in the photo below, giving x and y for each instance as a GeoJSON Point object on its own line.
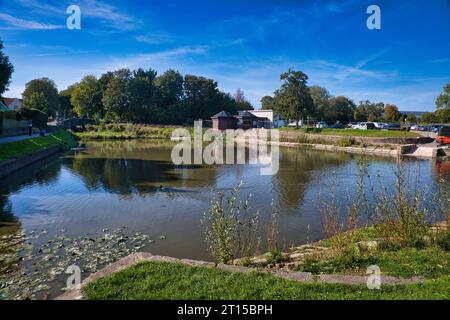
{"type": "Point", "coordinates": [274, 118]}
{"type": "Point", "coordinates": [13, 103]}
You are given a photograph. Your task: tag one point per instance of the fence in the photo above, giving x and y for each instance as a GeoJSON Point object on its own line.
{"type": "Point", "coordinates": [11, 127]}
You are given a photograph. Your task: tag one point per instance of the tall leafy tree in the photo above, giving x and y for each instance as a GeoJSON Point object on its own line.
{"type": "Point", "coordinates": [116, 99]}
{"type": "Point", "coordinates": [267, 103]}
{"type": "Point", "coordinates": [391, 113]}
{"type": "Point", "coordinates": [169, 94]}
{"type": "Point", "coordinates": [443, 100]}
{"type": "Point", "coordinates": [38, 101]}
{"type": "Point", "coordinates": [6, 70]}
{"type": "Point", "coordinates": [321, 100]}
{"type": "Point", "coordinates": [142, 93]}
{"type": "Point", "coordinates": [66, 108]}
{"type": "Point", "coordinates": [86, 97]}
{"type": "Point", "coordinates": [293, 100]}
{"type": "Point", "coordinates": [368, 111]}
{"type": "Point", "coordinates": [201, 97]}
{"type": "Point", "coordinates": [341, 109]}
{"type": "Point", "coordinates": [47, 87]}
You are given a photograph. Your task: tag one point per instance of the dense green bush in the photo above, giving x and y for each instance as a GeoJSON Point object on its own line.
{"type": "Point", "coordinates": [38, 117]}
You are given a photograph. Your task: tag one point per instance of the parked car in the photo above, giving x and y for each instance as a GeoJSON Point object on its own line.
{"type": "Point", "coordinates": [321, 125]}
{"type": "Point", "coordinates": [380, 125]}
{"type": "Point", "coordinates": [366, 126]}
{"type": "Point", "coordinates": [435, 128]}
{"type": "Point", "coordinates": [415, 127]}
{"type": "Point", "coordinates": [394, 126]}
{"type": "Point", "coordinates": [443, 135]}
{"type": "Point", "coordinates": [424, 128]}
{"type": "Point", "coordinates": [337, 126]}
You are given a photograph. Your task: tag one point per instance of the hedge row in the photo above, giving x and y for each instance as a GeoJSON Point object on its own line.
{"type": "Point", "coordinates": [38, 117]}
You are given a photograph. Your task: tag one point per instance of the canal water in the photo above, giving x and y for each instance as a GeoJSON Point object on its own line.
{"type": "Point", "coordinates": [116, 184]}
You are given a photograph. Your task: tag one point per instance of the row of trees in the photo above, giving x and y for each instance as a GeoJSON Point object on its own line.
{"type": "Point", "coordinates": [295, 100]}
{"type": "Point", "coordinates": [135, 96]}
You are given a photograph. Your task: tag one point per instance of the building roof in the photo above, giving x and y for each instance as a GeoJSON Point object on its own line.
{"type": "Point", "coordinates": [246, 114]}
{"type": "Point", "coordinates": [8, 101]}
{"type": "Point", "coordinates": [222, 114]}
{"type": "Point", "coordinates": [3, 107]}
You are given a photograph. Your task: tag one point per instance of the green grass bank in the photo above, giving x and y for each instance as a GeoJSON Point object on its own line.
{"type": "Point", "coordinates": [19, 149]}
{"type": "Point", "coordinates": [163, 280]}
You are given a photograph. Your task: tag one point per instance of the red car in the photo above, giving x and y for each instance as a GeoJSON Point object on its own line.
{"type": "Point", "coordinates": [443, 136]}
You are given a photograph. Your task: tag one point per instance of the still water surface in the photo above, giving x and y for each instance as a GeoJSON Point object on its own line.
{"type": "Point", "coordinates": [116, 184]}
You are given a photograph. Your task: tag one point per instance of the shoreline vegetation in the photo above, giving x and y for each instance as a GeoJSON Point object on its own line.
{"type": "Point", "coordinates": [404, 236]}
{"type": "Point", "coordinates": [18, 149]}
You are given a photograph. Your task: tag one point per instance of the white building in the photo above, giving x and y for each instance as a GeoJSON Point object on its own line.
{"type": "Point", "coordinates": [274, 117]}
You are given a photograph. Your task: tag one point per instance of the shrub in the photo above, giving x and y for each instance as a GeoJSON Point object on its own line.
{"type": "Point", "coordinates": [276, 256]}
{"type": "Point", "coordinates": [346, 141]}
{"type": "Point", "coordinates": [230, 231]}
{"type": "Point", "coordinates": [401, 215]}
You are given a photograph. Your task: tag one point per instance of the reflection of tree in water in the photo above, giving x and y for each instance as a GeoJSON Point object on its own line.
{"type": "Point", "coordinates": [129, 167]}
{"type": "Point", "coordinates": [297, 165]}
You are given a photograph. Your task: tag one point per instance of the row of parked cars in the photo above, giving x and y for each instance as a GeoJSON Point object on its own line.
{"type": "Point", "coordinates": [442, 131]}
{"type": "Point", "coordinates": [361, 126]}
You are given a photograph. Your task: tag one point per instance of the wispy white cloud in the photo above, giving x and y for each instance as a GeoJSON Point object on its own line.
{"type": "Point", "coordinates": [156, 58]}
{"type": "Point", "coordinates": [108, 15]}
{"type": "Point", "coordinates": [17, 23]}
{"type": "Point", "coordinates": [157, 37]}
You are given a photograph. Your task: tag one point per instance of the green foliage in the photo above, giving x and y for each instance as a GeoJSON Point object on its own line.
{"type": "Point", "coordinates": [391, 113]}
{"type": "Point", "coordinates": [367, 111]}
{"type": "Point", "coordinates": [37, 101]}
{"type": "Point", "coordinates": [45, 88]}
{"type": "Point", "coordinates": [443, 100]}
{"type": "Point", "coordinates": [404, 262]}
{"type": "Point", "coordinates": [38, 117]}
{"type": "Point", "coordinates": [230, 231]}
{"type": "Point", "coordinates": [346, 142]}
{"type": "Point", "coordinates": [293, 99]}
{"type": "Point", "coordinates": [321, 100]}
{"type": "Point", "coordinates": [86, 98]}
{"type": "Point", "coordinates": [6, 70]}
{"type": "Point", "coordinates": [66, 108]}
{"type": "Point", "coordinates": [275, 256]}
{"type": "Point", "coordinates": [340, 109]}
{"type": "Point", "coordinates": [267, 103]}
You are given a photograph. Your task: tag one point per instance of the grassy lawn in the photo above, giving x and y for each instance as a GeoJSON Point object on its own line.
{"type": "Point", "coordinates": [18, 149]}
{"type": "Point", "coordinates": [162, 280]}
{"type": "Point", "coordinates": [356, 133]}
{"type": "Point", "coordinates": [124, 131]}
{"type": "Point", "coordinates": [405, 262]}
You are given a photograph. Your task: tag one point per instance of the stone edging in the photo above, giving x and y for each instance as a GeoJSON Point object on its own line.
{"type": "Point", "coordinates": [305, 277]}
{"type": "Point", "coordinates": [15, 164]}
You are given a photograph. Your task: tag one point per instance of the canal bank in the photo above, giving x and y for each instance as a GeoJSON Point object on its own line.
{"type": "Point", "coordinates": [19, 154]}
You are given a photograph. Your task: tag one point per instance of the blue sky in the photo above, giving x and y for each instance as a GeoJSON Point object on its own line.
{"type": "Point", "coordinates": [242, 44]}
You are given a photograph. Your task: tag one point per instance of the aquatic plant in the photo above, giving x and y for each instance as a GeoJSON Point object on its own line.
{"type": "Point", "coordinates": [230, 230]}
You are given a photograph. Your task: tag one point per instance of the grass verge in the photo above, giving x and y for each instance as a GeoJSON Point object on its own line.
{"type": "Point", "coordinates": [18, 149]}
{"type": "Point", "coordinates": [163, 280]}
{"type": "Point", "coordinates": [356, 133]}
